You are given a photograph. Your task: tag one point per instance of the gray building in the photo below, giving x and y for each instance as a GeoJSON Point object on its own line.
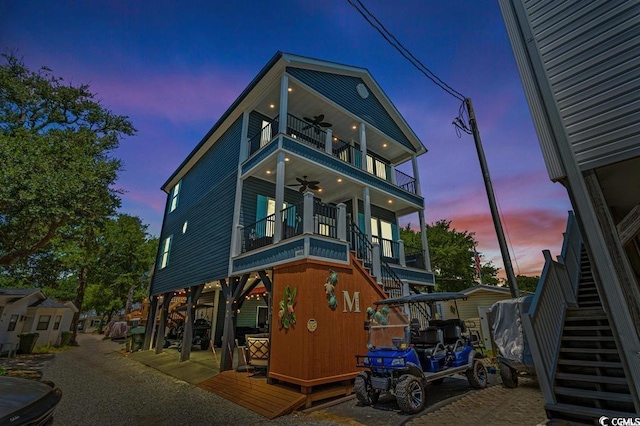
{"type": "Point", "coordinates": [579, 62]}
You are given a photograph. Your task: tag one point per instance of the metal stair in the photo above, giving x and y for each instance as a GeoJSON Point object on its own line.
{"type": "Point", "coordinates": [589, 378]}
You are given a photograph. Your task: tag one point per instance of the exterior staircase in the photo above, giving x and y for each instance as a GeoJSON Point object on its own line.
{"type": "Point", "coordinates": [578, 364]}
{"type": "Point", "coordinates": [373, 261]}
{"type": "Point", "coordinates": [590, 380]}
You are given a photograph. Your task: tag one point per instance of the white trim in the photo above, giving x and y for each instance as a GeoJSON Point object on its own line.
{"type": "Point", "coordinates": [492, 288]}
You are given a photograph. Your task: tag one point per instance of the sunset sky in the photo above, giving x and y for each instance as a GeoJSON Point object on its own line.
{"type": "Point", "coordinates": [175, 67]}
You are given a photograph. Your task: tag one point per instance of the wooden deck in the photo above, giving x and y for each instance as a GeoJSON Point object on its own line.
{"type": "Point", "coordinates": [254, 393]}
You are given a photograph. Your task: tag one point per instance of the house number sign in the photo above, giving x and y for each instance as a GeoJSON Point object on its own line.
{"type": "Point", "coordinates": [312, 325]}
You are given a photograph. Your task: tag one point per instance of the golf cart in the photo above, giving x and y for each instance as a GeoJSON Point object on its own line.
{"type": "Point", "coordinates": [408, 349]}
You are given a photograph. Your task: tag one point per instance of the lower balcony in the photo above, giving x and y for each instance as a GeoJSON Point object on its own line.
{"type": "Point", "coordinates": [317, 230]}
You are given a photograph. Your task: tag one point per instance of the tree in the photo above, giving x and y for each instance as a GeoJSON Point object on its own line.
{"type": "Point", "coordinates": [452, 254]}
{"type": "Point", "coordinates": [55, 146]}
{"type": "Point", "coordinates": [120, 276]}
{"type": "Point", "coordinates": [527, 283]}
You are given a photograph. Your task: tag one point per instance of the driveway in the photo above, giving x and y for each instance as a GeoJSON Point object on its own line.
{"type": "Point", "coordinates": [101, 386]}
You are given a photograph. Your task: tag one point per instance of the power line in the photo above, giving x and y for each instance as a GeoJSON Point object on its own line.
{"type": "Point", "coordinates": [395, 43]}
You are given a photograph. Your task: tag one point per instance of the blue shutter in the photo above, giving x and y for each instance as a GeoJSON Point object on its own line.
{"type": "Point", "coordinates": [261, 209]}
{"type": "Point", "coordinates": [361, 223]}
{"type": "Point", "coordinates": [394, 232]}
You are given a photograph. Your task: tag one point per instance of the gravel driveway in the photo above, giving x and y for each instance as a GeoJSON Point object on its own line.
{"type": "Point", "coordinates": [102, 387]}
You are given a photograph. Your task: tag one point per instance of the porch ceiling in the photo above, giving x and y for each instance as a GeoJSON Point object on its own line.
{"type": "Point", "coordinates": [335, 187]}
{"type": "Point", "coordinates": [304, 103]}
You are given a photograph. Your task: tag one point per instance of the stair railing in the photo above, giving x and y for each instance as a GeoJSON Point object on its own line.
{"type": "Point", "coordinates": [544, 322]}
{"type": "Point", "coordinates": [391, 283]}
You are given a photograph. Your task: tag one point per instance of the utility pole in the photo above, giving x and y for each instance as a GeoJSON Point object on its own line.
{"type": "Point", "coordinates": [506, 259]}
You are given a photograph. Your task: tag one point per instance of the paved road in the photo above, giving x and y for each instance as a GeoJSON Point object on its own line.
{"type": "Point", "coordinates": [102, 387]}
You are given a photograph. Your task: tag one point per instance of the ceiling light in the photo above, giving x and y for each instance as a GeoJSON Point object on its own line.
{"type": "Point", "coordinates": [354, 127]}
{"type": "Point", "coordinates": [289, 89]}
{"type": "Point", "coordinates": [390, 201]}
{"type": "Point", "coordinates": [384, 145]}
{"type": "Point", "coordinates": [272, 106]}
{"type": "Point", "coordinates": [339, 179]}
{"type": "Point", "coordinates": [335, 139]}
{"type": "Point", "coordinates": [268, 172]}
{"type": "Point", "coordinates": [286, 159]}
{"type": "Point", "coordinates": [319, 189]}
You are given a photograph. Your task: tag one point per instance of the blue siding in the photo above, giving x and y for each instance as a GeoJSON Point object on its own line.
{"type": "Point", "coordinates": [341, 89]}
{"type": "Point", "coordinates": [206, 202]}
{"type": "Point", "coordinates": [271, 255]}
{"type": "Point", "coordinates": [255, 123]}
{"type": "Point", "coordinates": [422, 277]}
{"type": "Point", "coordinates": [348, 170]}
{"type": "Point", "coordinates": [328, 249]}
{"type": "Point", "coordinates": [260, 155]}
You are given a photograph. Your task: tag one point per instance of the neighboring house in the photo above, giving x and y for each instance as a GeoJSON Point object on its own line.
{"type": "Point", "coordinates": [299, 177]}
{"type": "Point", "coordinates": [579, 64]}
{"type": "Point", "coordinates": [27, 311]}
{"type": "Point", "coordinates": [474, 309]}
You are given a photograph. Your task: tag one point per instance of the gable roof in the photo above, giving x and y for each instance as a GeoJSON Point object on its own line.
{"type": "Point", "coordinates": [17, 291]}
{"type": "Point", "coordinates": [46, 303]}
{"type": "Point", "coordinates": [494, 288]}
{"type": "Point", "coordinates": [274, 68]}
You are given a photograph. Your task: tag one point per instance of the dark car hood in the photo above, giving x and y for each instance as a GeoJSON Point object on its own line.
{"type": "Point", "coordinates": [17, 393]}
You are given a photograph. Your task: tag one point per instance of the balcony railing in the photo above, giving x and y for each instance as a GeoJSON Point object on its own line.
{"type": "Point", "coordinates": [405, 182]}
{"type": "Point", "coordinates": [292, 221]}
{"type": "Point", "coordinates": [414, 257]}
{"type": "Point", "coordinates": [315, 136]}
{"type": "Point", "coordinates": [259, 234]}
{"type": "Point", "coordinates": [325, 218]}
{"type": "Point", "coordinates": [389, 249]}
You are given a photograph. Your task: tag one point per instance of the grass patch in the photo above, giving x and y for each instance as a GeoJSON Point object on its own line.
{"type": "Point", "coordinates": [50, 349]}
{"type": "Point", "coordinates": [3, 371]}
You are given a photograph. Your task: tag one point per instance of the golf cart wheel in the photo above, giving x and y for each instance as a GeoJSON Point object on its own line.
{"type": "Point", "coordinates": [410, 394]}
{"type": "Point", "coordinates": [509, 376]}
{"type": "Point", "coordinates": [437, 381]}
{"type": "Point", "coordinates": [477, 375]}
{"type": "Point", "coordinates": [364, 392]}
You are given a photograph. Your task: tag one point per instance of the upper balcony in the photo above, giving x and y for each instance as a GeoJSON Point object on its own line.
{"type": "Point", "coordinates": [316, 136]}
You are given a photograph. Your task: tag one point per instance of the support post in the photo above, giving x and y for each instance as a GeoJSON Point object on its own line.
{"type": "Point", "coordinates": [377, 267]}
{"type": "Point", "coordinates": [214, 316]}
{"type": "Point", "coordinates": [284, 97]}
{"type": "Point", "coordinates": [277, 236]}
{"type": "Point", "coordinates": [328, 142]}
{"type": "Point", "coordinates": [307, 214]}
{"type": "Point", "coordinates": [363, 145]}
{"type": "Point", "coordinates": [506, 259]}
{"type": "Point", "coordinates": [392, 178]}
{"type": "Point", "coordinates": [416, 174]}
{"type": "Point", "coordinates": [342, 222]}
{"type": "Point", "coordinates": [237, 250]}
{"type": "Point", "coordinates": [425, 242]}
{"type": "Point", "coordinates": [401, 256]}
{"type": "Point", "coordinates": [231, 291]}
{"type": "Point", "coordinates": [151, 322]}
{"type": "Point", "coordinates": [164, 314]}
{"type": "Point", "coordinates": [193, 294]}
{"type": "Point", "coordinates": [244, 137]}
{"type": "Point", "coordinates": [367, 213]}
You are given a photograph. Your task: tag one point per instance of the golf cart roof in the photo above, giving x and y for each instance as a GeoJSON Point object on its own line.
{"type": "Point", "coordinates": [423, 297]}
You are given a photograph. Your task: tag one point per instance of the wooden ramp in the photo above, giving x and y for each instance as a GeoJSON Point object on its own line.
{"type": "Point", "coordinates": [254, 393]}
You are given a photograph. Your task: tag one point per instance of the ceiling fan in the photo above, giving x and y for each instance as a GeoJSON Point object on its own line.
{"type": "Point", "coordinates": [306, 184]}
{"type": "Point", "coordinates": [316, 122]}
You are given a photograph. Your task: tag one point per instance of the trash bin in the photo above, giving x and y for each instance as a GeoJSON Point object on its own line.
{"type": "Point", "coordinates": [28, 342]}
{"type": "Point", "coordinates": [136, 338]}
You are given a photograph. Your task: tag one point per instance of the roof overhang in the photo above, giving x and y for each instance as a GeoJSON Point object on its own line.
{"type": "Point", "coordinates": [267, 76]}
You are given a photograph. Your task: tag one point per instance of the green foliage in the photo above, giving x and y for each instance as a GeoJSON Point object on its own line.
{"type": "Point", "coordinates": [527, 283]}
{"type": "Point", "coordinates": [452, 254]}
{"type": "Point", "coordinates": [286, 312]}
{"type": "Point", "coordinates": [55, 145]}
{"type": "Point", "coordinates": [3, 371]}
{"type": "Point", "coordinates": [329, 288]}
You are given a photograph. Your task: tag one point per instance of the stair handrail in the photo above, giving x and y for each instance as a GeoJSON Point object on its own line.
{"type": "Point", "coordinates": [544, 321]}
{"type": "Point", "coordinates": [391, 283]}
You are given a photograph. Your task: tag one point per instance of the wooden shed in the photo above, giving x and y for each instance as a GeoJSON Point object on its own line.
{"type": "Point", "coordinates": [474, 310]}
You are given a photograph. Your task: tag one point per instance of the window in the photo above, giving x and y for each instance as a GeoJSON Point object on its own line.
{"type": "Point", "coordinates": [376, 167]}
{"type": "Point", "coordinates": [271, 209]}
{"type": "Point", "coordinates": [166, 246]}
{"type": "Point", "coordinates": [174, 197]}
{"type": "Point", "coordinates": [384, 230]}
{"type": "Point", "coordinates": [43, 322]}
{"type": "Point", "coordinates": [263, 315]}
{"type": "Point", "coordinates": [12, 322]}
{"type": "Point", "coordinates": [56, 323]}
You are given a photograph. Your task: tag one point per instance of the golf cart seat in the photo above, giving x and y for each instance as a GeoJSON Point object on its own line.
{"type": "Point", "coordinates": [452, 329]}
